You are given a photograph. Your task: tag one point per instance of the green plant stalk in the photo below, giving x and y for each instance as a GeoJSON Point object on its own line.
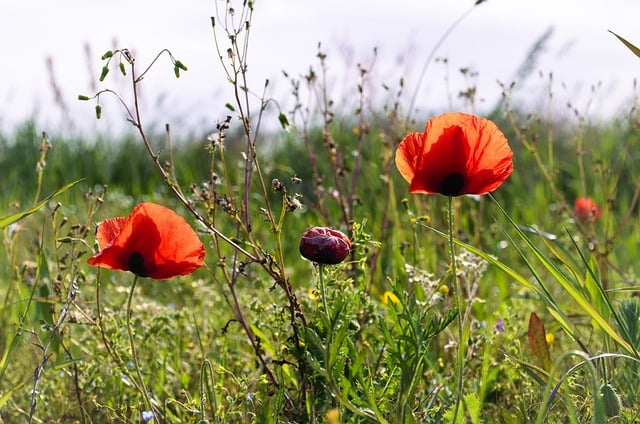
{"type": "Point", "coordinates": [323, 293]}
{"type": "Point", "coordinates": [40, 167]}
{"type": "Point", "coordinates": [134, 355]}
{"type": "Point", "coordinates": [207, 392]}
{"type": "Point", "coordinates": [408, 394]}
{"type": "Point", "coordinates": [278, 232]}
{"type": "Point", "coordinates": [550, 158]}
{"type": "Point", "coordinates": [460, 318]}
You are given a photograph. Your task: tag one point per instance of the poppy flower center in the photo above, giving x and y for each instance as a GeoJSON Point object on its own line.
{"type": "Point", "coordinates": [136, 264]}
{"type": "Point", "coordinates": [452, 184]}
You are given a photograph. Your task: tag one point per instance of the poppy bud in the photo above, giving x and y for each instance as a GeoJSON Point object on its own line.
{"type": "Point", "coordinates": [324, 245]}
{"type": "Point", "coordinates": [586, 209]}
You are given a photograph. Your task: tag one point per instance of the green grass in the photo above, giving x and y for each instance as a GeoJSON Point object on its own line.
{"type": "Point", "coordinates": [190, 344]}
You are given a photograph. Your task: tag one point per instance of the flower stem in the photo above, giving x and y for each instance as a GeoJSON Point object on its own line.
{"type": "Point", "coordinates": [323, 291]}
{"type": "Point", "coordinates": [134, 354]}
{"type": "Point", "coordinates": [457, 294]}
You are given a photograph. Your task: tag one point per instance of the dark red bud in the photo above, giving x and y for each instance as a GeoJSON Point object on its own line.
{"type": "Point", "coordinates": [324, 245]}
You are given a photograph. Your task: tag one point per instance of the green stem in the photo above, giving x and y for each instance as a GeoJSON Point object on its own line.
{"type": "Point", "coordinates": [323, 291]}
{"type": "Point", "coordinates": [134, 354]}
{"type": "Point", "coordinates": [205, 391]}
{"type": "Point", "coordinates": [460, 319]}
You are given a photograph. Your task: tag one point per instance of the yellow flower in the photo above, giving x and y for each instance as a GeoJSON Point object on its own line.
{"type": "Point", "coordinates": [313, 294]}
{"type": "Point", "coordinates": [443, 290]}
{"type": "Point", "coordinates": [332, 416]}
{"type": "Point", "coordinates": [390, 297]}
{"type": "Point", "coordinates": [550, 339]}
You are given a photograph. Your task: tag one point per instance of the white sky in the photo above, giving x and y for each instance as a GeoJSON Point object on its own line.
{"type": "Point", "coordinates": [493, 40]}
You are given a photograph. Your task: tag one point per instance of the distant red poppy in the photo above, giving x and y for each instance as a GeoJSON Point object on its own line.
{"type": "Point", "coordinates": [586, 209]}
{"type": "Point", "coordinates": [152, 242]}
{"type": "Point", "coordinates": [457, 154]}
{"type": "Point", "coordinates": [324, 245]}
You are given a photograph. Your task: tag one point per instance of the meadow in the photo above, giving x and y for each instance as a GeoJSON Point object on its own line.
{"type": "Point", "coordinates": [514, 306]}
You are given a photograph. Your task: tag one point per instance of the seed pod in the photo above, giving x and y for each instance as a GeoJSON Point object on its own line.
{"type": "Point", "coordinates": [324, 245]}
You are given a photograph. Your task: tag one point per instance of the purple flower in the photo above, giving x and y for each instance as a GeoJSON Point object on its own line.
{"type": "Point", "coordinates": [500, 325]}
{"type": "Point", "coordinates": [147, 416]}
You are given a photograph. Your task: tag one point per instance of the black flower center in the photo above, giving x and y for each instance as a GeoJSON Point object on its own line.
{"type": "Point", "coordinates": [136, 264]}
{"type": "Point", "coordinates": [452, 185]}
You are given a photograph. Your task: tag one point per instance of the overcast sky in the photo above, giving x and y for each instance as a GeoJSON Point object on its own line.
{"type": "Point", "coordinates": [493, 40]}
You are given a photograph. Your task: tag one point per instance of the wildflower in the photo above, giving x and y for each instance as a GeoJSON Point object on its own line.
{"type": "Point", "coordinates": [332, 416]}
{"type": "Point", "coordinates": [550, 339]}
{"type": "Point", "coordinates": [500, 326]}
{"type": "Point", "coordinates": [324, 245]}
{"type": "Point", "coordinates": [389, 297]}
{"type": "Point", "coordinates": [313, 294]}
{"type": "Point", "coordinates": [586, 210]}
{"type": "Point", "coordinates": [457, 154]}
{"type": "Point", "coordinates": [152, 242]}
{"type": "Point", "coordinates": [147, 416]}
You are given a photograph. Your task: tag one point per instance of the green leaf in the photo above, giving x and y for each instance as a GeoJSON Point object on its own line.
{"type": "Point", "coordinates": [471, 414]}
{"type": "Point", "coordinates": [630, 46]}
{"type": "Point", "coordinates": [6, 396]}
{"type": "Point", "coordinates": [265, 343]}
{"type": "Point", "coordinates": [10, 219]}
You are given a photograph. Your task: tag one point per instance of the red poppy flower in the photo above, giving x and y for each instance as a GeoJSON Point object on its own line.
{"type": "Point", "coordinates": [324, 245]}
{"type": "Point", "coordinates": [152, 242]}
{"type": "Point", "coordinates": [457, 154]}
{"type": "Point", "coordinates": [586, 209]}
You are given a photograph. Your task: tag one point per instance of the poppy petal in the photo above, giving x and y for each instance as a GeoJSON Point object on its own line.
{"type": "Point", "coordinates": [180, 251]}
{"type": "Point", "coordinates": [152, 242]}
{"type": "Point", "coordinates": [458, 154]}
{"type": "Point", "coordinates": [108, 230]}
{"type": "Point", "coordinates": [491, 158]}
{"type": "Point", "coordinates": [408, 154]}
{"type": "Point", "coordinates": [137, 237]}
{"type": "Point", "coordinates": [444, 170]}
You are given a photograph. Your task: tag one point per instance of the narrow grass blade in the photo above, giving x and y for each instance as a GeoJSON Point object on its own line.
{"type": "Point", "coordinates": [564, 282]}
{"type": "Point", "coordinates": [10, 219]}
{"type": "Point", "coordinates": [630, 46]}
